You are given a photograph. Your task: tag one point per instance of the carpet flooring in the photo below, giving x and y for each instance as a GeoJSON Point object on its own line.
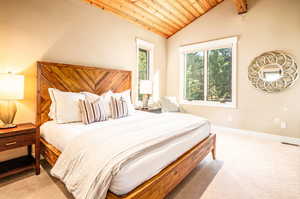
{"type": "Point", "coordinates": [247, 167]}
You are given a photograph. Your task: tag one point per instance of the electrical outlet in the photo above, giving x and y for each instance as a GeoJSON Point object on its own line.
{"type": "Point", "coordinates": [282, 124]}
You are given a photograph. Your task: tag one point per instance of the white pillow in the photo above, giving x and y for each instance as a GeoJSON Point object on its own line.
{"type": "Point", "coordinates": [127, 97]}
{"type": "Point", "coordinates": [169, 104]}
{"type": "Point", "coordinates": [105, 98]}
{"type": "Point", "coordinates": [65, 106]}
{"type": "Point", "coordinates": [51, 113]}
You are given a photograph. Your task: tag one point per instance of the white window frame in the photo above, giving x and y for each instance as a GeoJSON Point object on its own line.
{"type": "Point", "coordinates": [205, 46]}
{"type": "Point", "coordinates": [142, 44]}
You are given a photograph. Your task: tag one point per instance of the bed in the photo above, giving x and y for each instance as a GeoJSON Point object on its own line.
{"type": "Point", "coordinates": [179, 157]}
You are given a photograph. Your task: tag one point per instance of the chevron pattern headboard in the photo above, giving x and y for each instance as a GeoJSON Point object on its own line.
{"type": "Point", "coordinates": [74, 78]}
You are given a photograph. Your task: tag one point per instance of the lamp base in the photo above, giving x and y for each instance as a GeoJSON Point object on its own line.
{"type": "Point", "coordinates": [7, 126]}
{"type": "Point", "coordinates": [145, 100]}
{"type": "Point", "coordinates": [8, 111]}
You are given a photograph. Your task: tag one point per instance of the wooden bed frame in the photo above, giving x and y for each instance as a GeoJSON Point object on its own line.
{"type": "Point", "coordinates": [76, 78]}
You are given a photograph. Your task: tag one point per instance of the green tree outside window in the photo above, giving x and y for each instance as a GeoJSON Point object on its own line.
{"type": "Point", "coordinates": [194, 76]}
{"type": "Point", "coordinates": [143, 67]}
{"type": "Point", "coordinates": [219, 75]}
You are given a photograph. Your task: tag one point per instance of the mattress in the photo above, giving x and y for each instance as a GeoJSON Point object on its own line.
{"type": "Point", "coordinates": [137, 170]}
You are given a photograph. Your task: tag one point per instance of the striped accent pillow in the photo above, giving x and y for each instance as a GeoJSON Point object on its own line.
{"type": "Point", "coordinates": [119, 107]}
{"type": "Point", "coordinates": [92, 111]}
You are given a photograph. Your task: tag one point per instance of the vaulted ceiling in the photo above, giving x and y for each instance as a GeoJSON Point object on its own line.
{"type": "Point", "coordinates": [164, 17]}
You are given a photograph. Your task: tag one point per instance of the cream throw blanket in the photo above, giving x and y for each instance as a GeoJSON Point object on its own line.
{"type": "Point", "coordinates": [88, 163]}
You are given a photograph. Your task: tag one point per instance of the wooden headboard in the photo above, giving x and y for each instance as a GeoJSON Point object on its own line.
{"type": "Point", "coordinates": [75, 78]}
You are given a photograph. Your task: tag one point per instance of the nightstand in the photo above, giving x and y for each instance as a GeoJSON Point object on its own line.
{"type": "Point", "coordinates": [151, 110]}
{"type": "Point", "coordinates": [20, 136]}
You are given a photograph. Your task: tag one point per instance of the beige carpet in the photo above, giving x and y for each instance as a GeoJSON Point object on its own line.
{"type": "Point", "coordinates": [247, 168]}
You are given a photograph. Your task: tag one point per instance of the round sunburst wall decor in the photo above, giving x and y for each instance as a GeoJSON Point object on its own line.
{"type": "Point", "coordinates": [273, 71]}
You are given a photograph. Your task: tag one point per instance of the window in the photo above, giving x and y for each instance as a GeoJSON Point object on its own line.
{"type": "Point", "coordinates": [209, 73]}
{"type": "Point", "coordinates": [143, 68]}
{"type": "Point", "coordinates": [144, 63]}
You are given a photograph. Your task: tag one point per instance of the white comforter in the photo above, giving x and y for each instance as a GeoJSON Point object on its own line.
{"type": "Point", "coordinates": [88, 163]}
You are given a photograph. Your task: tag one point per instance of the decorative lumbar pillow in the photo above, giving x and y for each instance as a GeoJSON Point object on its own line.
{"type": "Point", "coordinates": [105, 99]}
{"type": "Point", "coordinates": [92, 111]}
{"type": "Point", "coordinates": [127, 97]}
{"type": "Point", "coordinates": [119, 107]}
{"type": "Point", "coordinates": [65, 106]}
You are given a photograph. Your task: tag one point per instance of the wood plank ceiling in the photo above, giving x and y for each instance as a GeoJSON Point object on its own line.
{"type": "Point", "coordinates": [164, 17]}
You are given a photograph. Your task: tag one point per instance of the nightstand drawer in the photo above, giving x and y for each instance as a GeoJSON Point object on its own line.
{"type": "Point", "coordinates": [16, 141]}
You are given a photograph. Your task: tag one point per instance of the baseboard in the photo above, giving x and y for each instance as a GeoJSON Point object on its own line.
{"type": "Point", "coordinates": [258, 134]}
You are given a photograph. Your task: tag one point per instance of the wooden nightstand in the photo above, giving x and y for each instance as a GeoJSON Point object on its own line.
{"type": "Point", "coordinates": [21, 135]}
{"type": "Point", "coordinates": [151, 110]}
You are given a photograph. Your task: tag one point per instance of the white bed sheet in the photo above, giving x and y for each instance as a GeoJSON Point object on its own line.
{"type": "Point", "coordinates": [138, 170]}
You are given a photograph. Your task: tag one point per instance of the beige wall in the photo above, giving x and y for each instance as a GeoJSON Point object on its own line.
{"type": "Point", "coordinates": [69, 31]}
{"type": "Point", "coordinates": [268, 25]}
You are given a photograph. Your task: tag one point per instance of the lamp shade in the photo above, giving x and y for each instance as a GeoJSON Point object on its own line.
{"type": "Point", "coordinates": [145, 87]}
{"type": "Point", "coordinates": [11, 87]}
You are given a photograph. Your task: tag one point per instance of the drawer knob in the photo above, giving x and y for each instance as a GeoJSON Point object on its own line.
{"type": "Point", "coordinates": [10, 143]}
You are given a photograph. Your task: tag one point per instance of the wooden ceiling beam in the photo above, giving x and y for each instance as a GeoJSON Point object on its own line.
{"type": "Point", "coordinates": [241, 6]}
{"type": "Point", "coordinates": [110, 8]}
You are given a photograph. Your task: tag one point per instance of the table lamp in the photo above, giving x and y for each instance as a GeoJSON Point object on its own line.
{"type": "Point", "coordinates": [146, 91]}
{"type": "Point", "coordinates": [11, 89]}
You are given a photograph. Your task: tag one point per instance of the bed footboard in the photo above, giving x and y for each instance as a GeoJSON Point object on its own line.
{"type": "Point", "coordinates": [165, 181]}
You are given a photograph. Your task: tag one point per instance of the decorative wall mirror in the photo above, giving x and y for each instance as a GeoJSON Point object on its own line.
{"type": "Point", "coordinates": [273, 71]}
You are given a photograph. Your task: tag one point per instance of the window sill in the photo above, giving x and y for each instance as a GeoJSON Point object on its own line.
{"type": "Point", "coordinates": [211, 104]}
